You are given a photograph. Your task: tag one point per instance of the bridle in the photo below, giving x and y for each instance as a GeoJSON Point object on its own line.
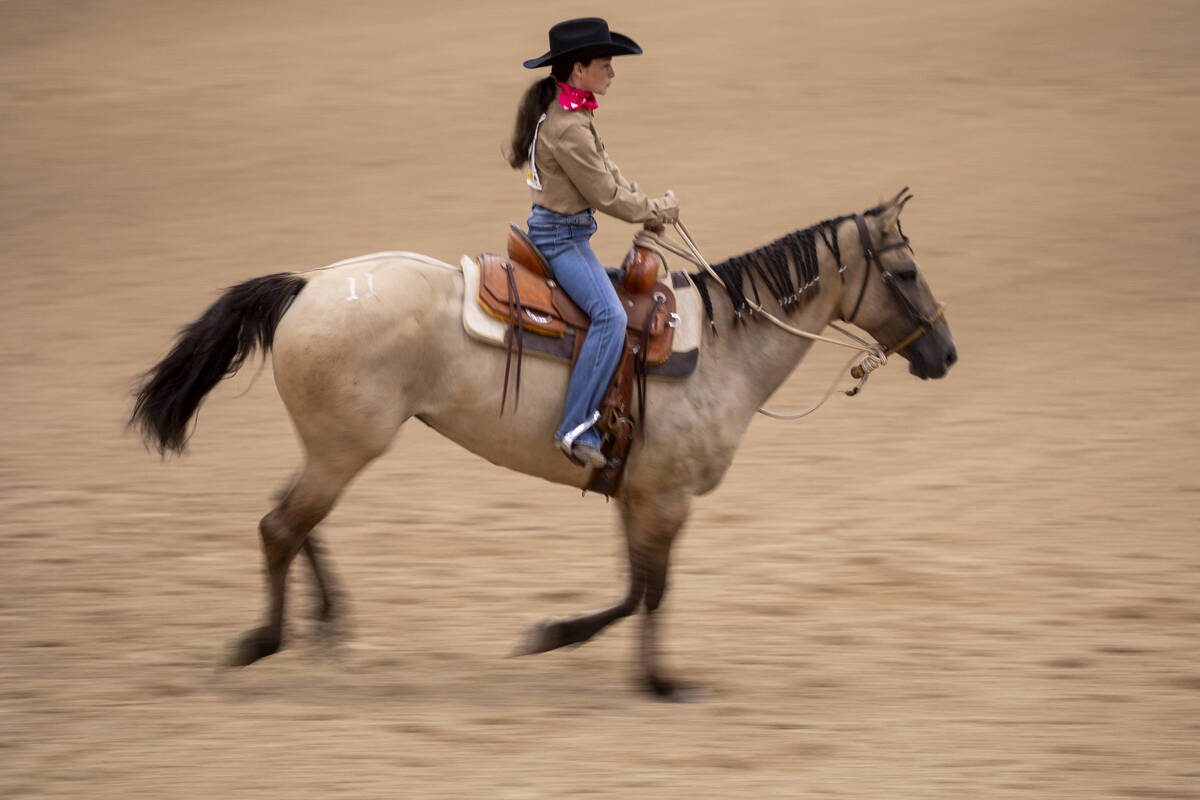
{"type": "Point", "coordinates": [871, 355]}
{"type": "Point", "coordinates": [924, 322]}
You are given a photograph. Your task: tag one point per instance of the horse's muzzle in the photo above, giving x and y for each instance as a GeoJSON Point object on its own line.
{"type": "Point", "coordinates": [924, 367]}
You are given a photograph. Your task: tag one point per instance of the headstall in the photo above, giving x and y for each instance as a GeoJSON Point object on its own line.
{"type": "Point", "coordinates": [924, 322]}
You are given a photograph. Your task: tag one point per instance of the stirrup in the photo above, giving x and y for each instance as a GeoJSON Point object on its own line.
{"type": "Point", "coordinates": [585, 455]}
{"type": "Point", "coordinates": [582, 454]}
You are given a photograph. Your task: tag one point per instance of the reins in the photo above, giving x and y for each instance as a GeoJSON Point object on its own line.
{"type": "Point", "coordinates": [873, 355]}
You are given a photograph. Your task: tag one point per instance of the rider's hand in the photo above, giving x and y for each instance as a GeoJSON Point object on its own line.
{"type": "Point", "coordinates": [670, 210]}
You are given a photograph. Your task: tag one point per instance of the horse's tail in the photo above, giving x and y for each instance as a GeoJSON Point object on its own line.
{"type": "Point", "coordinates": [211, 348]}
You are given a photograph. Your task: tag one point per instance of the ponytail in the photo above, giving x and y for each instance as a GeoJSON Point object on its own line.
{"type": "Point", "coordinates": [533, 104]}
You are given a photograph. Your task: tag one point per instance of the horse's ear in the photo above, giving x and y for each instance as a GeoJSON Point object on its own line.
{"type": "Point", "coordinates": [891, 211]}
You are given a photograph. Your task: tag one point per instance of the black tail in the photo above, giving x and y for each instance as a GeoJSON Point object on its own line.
{"type": "Point", "coordinates": [211, 348]}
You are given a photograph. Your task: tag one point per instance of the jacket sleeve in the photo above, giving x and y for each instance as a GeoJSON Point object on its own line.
{"type": "Point", "coordinates": [605, 188]}
{"type": "Point", "coordinates": [621, 180]}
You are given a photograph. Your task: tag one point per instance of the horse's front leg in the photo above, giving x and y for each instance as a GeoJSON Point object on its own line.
{"type": "Point", "coordinates": [652, 522]}
{"type": "Point", "coordinates": [552, 634]}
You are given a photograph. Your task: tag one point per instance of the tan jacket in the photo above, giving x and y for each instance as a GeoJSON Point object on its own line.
{"type": "Point", "coordinates": [576, 173]}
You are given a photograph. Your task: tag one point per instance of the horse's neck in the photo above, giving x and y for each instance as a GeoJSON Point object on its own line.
{"type": "Point", "coordinates": [759, 355]}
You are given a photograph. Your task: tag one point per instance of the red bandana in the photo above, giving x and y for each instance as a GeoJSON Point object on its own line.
{"type": "Point", "coordinates": [573, 99]}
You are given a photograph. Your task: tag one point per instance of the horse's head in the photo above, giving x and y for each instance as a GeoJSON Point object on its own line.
{"type": "Point", "coordinates": [886, 295]}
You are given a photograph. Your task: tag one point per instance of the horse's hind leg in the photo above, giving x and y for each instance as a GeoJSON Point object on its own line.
{"type": "Point", "coordinates": [284, 532]}
{"type": "Point", "coordinates": [329, 599]}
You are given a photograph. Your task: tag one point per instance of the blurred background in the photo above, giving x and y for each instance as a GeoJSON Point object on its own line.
{"type": "Point", "coordinates": [982, 585]}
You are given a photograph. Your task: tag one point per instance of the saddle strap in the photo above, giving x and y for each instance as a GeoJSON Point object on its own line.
{"type": "Point", "coordinates": [516, 332]}
{"type": "Point", "coordinates": [617, 420]}
{"type": "Point", "coordinates": [639, 364]}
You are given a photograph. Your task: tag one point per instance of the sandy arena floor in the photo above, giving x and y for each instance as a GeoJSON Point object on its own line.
{"type": "Point", "coordinates": [979, 587]}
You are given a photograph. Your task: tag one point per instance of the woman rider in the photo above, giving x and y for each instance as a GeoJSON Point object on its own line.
{"type": "Point", "coordinates": [569, 174]}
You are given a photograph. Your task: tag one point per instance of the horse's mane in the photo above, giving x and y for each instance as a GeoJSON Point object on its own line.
{"type": "Point", "coordinates": [787, 268]}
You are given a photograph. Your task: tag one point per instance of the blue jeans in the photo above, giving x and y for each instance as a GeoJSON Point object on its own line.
{"type": "Point", "coordinates": [563, 240]}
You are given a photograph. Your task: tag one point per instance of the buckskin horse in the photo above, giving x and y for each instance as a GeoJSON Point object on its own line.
{"type": "Point", "coordinates": [351, 372]}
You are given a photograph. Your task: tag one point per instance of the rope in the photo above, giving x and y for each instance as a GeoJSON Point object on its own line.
{"type": "Point", "coordinates": [873, 356]}
{"type": "Point", "coordinates": [650, 239]}
{"type": "Point", "coordinates": [837, 378]}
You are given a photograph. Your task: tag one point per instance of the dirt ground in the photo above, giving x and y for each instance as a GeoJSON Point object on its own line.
{"type": "Point", "coordinates": [984, 586]}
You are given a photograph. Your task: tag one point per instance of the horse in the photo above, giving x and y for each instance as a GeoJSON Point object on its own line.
{"type": "Point", "coordinates": [352, 365]}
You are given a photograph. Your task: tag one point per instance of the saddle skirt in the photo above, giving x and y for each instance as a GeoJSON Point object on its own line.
{"type": "Point", "coordinates": [673, 347]}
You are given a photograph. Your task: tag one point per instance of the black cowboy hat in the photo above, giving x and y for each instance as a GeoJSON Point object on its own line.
{"type": "Point", "coordinates": [588, 37]}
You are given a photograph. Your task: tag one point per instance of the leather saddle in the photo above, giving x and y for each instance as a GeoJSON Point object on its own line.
{"type": "Point", "coordinates": [523, 285]}
{"type": "Point", "coordinates": [521, 291]}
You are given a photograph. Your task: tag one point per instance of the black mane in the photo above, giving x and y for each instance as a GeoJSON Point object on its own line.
{"type": "Point", "coordinates": [787, 268]}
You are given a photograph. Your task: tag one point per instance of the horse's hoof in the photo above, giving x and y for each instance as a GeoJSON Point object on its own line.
{"type": "Point", "coordinates": [331, 637]}
{"type": "Point", "coordinates": [670, 691]}
{"type": "Point", "coordinates": [540, 638]}
{"type": "Point", "coordinates": [334, 630]}
{"type": "Point", "coordinates": [331, 619]}
{"type": "Point", "coordinates": [253, 645]}
{"type": "Point", "coordinates": [324, 611]}
{"type": "Point", "coordinates": [329, 607]}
